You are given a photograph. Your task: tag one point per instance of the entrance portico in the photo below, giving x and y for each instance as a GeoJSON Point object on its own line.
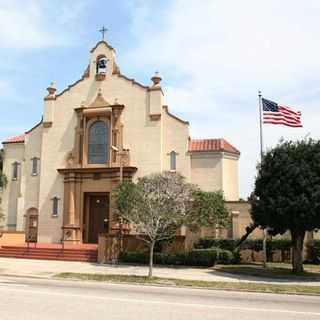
{"type": "Point", "coordinates": [87, 204]}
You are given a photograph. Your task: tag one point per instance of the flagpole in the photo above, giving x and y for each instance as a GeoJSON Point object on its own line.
{"type": "Point", "coordinates": [261, 155]}
{"type": "Point", "coordinates": [261, 134]}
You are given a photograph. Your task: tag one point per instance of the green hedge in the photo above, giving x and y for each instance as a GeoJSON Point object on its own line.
{"type": "Point", "coordinates": [201, 257]}
{"type": "Point", "coordinates": [256, 245]}
{"type": "Point", "coordinates": [196, 257]}
{"type": "Point", "coordinates": [226, 244]}
{"type": "Point", "coordinates": [134, 257]}
{"type": "Point", "coordinates": [314, 251]}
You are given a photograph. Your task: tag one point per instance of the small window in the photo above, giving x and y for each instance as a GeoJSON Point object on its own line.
{"type": "Point", "coordinates": [55, 205]}
{"type": "Point", "coordinates": [15, 166]}
{"type": "Point", "coordinates": [173, 160]}
{"type": "Point", "coordinates": [34, 166]}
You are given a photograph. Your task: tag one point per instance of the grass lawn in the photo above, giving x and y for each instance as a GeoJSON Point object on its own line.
{"type": "Point", "coordinates": [273, 270]}
{"type": "Point", "coordinates": [236, 286]}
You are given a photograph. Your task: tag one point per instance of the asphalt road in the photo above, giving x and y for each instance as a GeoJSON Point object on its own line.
{"type": "Point", "coordinates": [33, 299]}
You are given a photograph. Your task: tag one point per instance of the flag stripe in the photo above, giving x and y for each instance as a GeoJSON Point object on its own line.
{"type": "Point", "coordinates": [289, 119]}
{"type": "Point", "coordinates": [289, 110]}
{"type": "Point", "coordinates": [277, 114]}
{"type": "Point", "coordinates": [273, 114]}
{"type": "Point", "coordinates": [284, 123]}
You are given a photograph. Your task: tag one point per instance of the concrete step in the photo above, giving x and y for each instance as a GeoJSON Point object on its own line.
{"type": "Point", "coordinates": [26, 252]}
{"type": "Point", "coordinates": [42, 257]}
{"type": "Point", "coordinates": [17, 248]}
{"type": "Point", "coordinates": [77, 254]}
{"type": "Point", "coordinates": [69, 256]}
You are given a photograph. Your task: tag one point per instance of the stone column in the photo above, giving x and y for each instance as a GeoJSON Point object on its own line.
{"type": "Point", "coordinates": [71, 201]}
{"type": "Point", "coordinates": [71, 227]}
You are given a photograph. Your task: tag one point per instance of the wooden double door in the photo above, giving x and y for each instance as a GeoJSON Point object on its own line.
{"type": "Point", "coordinates": [97, 216]}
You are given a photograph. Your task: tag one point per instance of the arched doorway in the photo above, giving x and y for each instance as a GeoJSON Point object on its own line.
{"type": "Point", "coordinates": [32, 225]}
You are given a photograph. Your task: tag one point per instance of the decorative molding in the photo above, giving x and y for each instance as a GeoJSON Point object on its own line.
{"type": "Point", "coordinates": [70, 86]}
{"type": "Point", "coordinates": [133, 81]}
{"type": "Point", "coordinates": [47, 124]}
{"type": "Point", "coordinates": [34, 127]}
{"type": "Point", "coordinates": [101, 42]}
{"type": "Point", "coordinates": [49, 98]}
{"type": "Point", "coordinates": [100, 76]}
{"type": "Point", "coordinates": [108, 170]}
{"type": "Point", "coordinates": [166, 109]}
{"type": "Point", "coordinates": [155, 117]}
{"type": "Point", "coordinates": [13, 142]}
{"type": "Point", "coordinates": [99, 101]}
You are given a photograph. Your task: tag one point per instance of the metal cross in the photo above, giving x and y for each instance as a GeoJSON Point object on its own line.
{"type": "Point", "coordinates": [103, 31]}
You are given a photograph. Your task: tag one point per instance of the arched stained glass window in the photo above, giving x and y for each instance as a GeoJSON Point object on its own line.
{"type": "Point", "coordinates": [97, 144]}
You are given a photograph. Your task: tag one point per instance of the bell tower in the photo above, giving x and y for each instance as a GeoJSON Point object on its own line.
{"type": "Point", "coordinates": [102, 59]}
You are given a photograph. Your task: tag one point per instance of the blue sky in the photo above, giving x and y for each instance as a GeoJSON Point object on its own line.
{"type": "Point", "coordinates": [213, 56]}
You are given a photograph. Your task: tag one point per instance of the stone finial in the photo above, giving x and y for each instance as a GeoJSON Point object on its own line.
{"type": "Point", "coordinates": [156, 79]}
{"type": "Point", "coordinates": [52, 88]}
{"type": "Point", "coordinates": [51, 92]}
{"type": "Point", "coordinates": [116, 102]}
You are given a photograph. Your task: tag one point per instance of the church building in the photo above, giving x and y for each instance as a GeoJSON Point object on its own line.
{"type": "Point", "coordinates": [101, 129]}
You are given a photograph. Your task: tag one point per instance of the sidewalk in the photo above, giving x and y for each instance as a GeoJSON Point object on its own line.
{"type": "Point", "coordinates": [49, 268]}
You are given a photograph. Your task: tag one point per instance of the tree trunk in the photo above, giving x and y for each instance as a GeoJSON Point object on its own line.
{"type": "Point", "coordinates": [297, 251]}
{"type": "Point", "coordinates": [151, 259]}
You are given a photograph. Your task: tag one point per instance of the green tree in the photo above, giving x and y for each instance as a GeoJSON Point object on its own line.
{"type": "Point", "coordinates": [156, 206]}
{"type": "Point", "coordinates": [209, 210]}
{"type": "Point", "coordinates": [287, 193]}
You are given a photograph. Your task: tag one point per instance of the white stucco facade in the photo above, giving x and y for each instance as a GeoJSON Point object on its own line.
{"type": "Point", "coordinates": [143, 128]}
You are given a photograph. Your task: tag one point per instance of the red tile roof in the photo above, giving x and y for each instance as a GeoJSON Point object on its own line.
{"type": "Point", "coordinates": [16, 139]}
{"type": "Point", "coordinates": [217, 145]}
{"type": "Point", "coordinates": [21, 137]}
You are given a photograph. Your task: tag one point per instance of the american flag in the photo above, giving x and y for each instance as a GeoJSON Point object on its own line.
{"type": "Point", "coordinates": [276, 114]}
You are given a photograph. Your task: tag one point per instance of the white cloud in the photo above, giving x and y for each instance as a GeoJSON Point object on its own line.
{"type": "Point", "coordinates": [215, 55]}
{"type": "Point", "coordinates": [37, 24]}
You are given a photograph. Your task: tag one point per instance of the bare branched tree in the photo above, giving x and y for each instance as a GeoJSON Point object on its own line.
{"type": "Point", "coordinates": [156, 206]}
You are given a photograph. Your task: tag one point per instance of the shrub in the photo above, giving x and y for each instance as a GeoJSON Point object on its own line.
{"type": "Point", "coordinates": [201, 257]}
{"type": "Point", "coordinates": [252, 244]}
{"type": "Point", "coordinates": [236, 257]}
{"type": "Point", "coordinates": [134, 257]}
{"type": "Point", "coordinates": [279, 244]}
{"type": "Point", "coordinates": [283, 245]}
{"type": "Point", "coordinates": [224, 256]}
{"type": "Point", "coordinates": [206, 243]}
{"type": "Point", "coordinates": [197, 257]}
{"type": "Point", "coordinates": [314, 251]}
{"type": "Point", "coordinates": [170, 259]}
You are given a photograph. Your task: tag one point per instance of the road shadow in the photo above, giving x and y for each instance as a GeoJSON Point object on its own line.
{"type": "Point", "coordinates": [260, 274]}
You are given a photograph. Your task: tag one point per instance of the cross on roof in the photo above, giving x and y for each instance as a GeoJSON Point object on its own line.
{"type": "Point", "coordinates": [103, 31]}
